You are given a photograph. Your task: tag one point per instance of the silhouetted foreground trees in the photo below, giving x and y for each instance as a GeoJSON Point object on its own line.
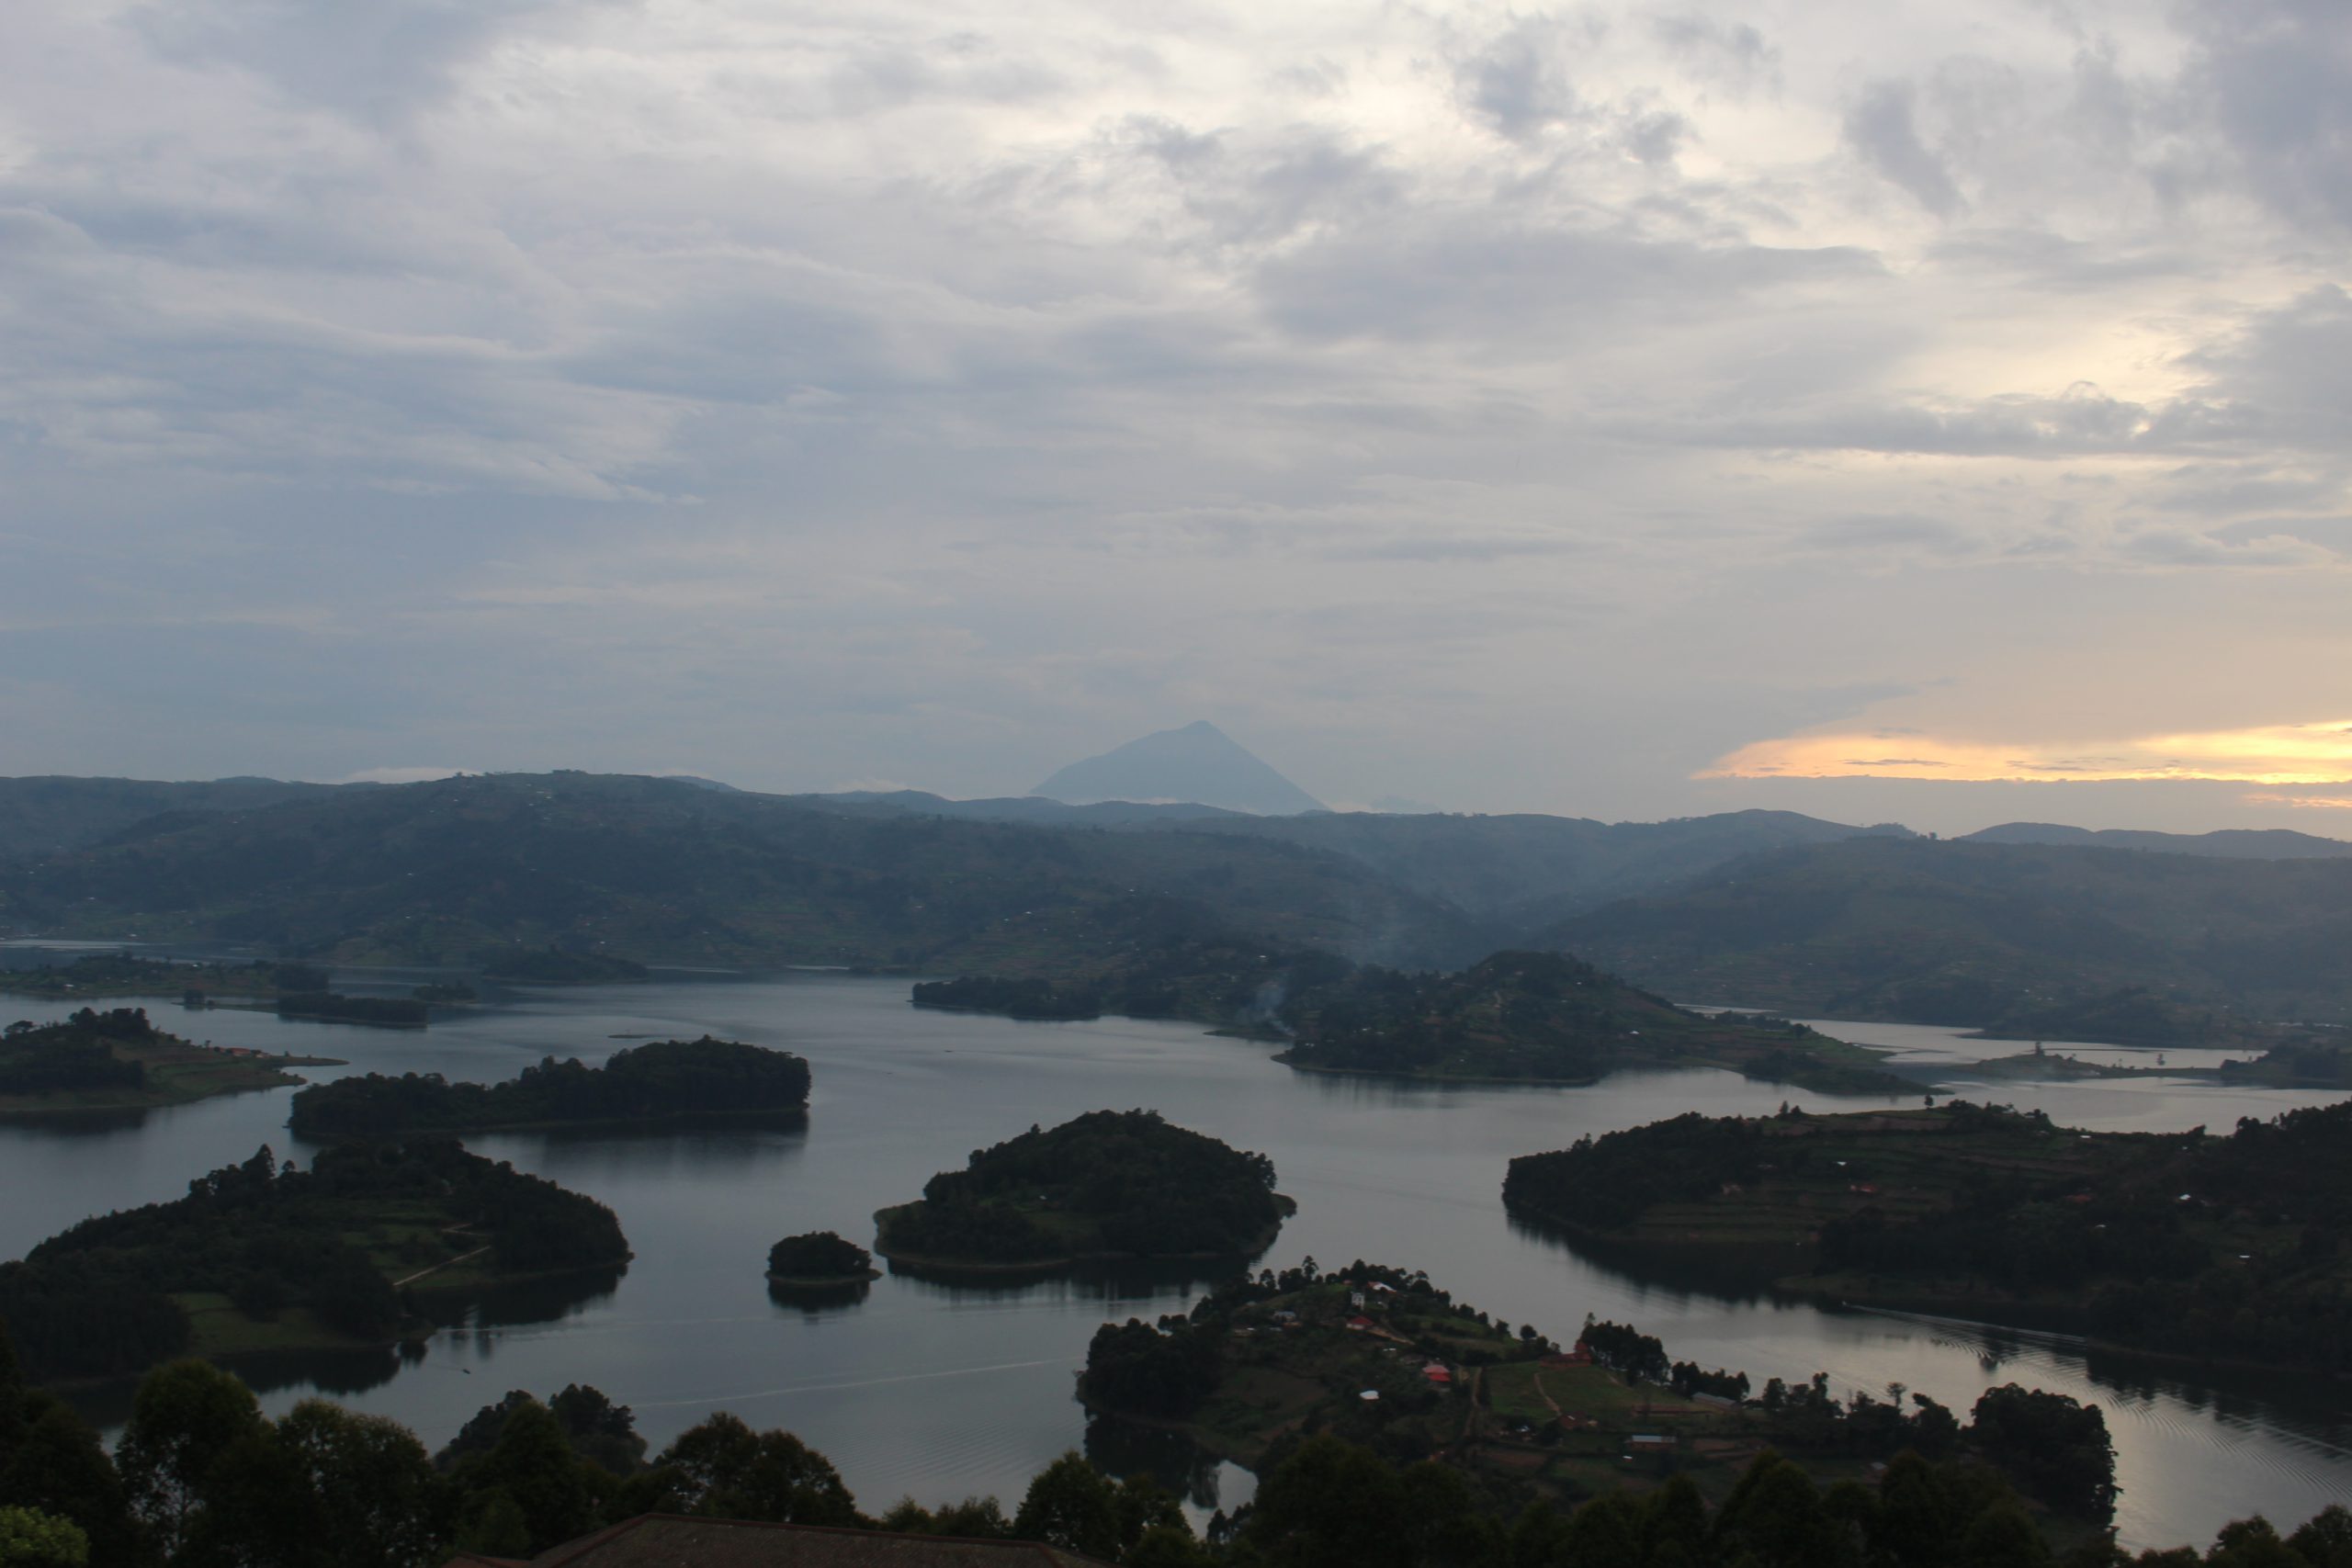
{"type": "Point", "coordinates": [202, 1479]}
{"type": "Point", "coordinates": [97, 1299]}
{"type": "Point", "coordinates": [668, 1079]}
{"type": "Point", "coordinates": [1109, 1181]}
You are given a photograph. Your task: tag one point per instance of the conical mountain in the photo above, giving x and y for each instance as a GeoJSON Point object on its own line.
{"type": "Point", "coordinates": [1199, 763]}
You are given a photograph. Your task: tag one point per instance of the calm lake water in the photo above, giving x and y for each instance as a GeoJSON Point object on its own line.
{"type": "Point", "coordinates": [943, 1391]}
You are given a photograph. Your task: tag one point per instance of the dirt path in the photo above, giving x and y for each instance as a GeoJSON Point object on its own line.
{"type": "Point", "coordinates": [452, 1263]}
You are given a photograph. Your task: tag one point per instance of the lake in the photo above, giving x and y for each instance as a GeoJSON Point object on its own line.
{"type": "Point", "coordinates": [941, 1391]}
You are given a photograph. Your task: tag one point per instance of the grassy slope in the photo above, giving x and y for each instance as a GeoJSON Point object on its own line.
{"type": "Point", "coordinates": [177, 1073]}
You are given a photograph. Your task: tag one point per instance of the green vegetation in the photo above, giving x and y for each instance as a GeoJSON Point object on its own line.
{"type": "Point", "coordinates": [382, 1012]}
{"type": "Point", "coordinates": [260, 1256]}
{"type": "Point", "coordinates": [98, 974]}
{"type": "Point", "coordinates": [446, 991]}
{"type": "Point", "coordinates": [119, 1061]}
{"type": "Point", "coordinates": [1109, 1183]}
{"type": "Point", "coordinates": [1028, 999]}
{"type": "Point", "coordinates": [670, 1079]}
{"type": "Point", "coordinates": [2026, 941]}
{"type": "Point", "coordinates": [553, 966]}
{"type": "Point", "coordinates": [2186, 1244]}
{"type": "Point", "coordinates": [820, 1258]}
{"type": "Point", "coordinates": [1382, 1359]}
{"type": "Point", "coordinates": [201, 1477]}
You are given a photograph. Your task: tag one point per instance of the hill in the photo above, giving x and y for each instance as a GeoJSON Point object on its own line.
{"type": "Point", "coordinates": [1198, 763]}
{"type": "Point", "coordinates": [1107, 1184]}
{"type": "Point", "coordinates": [2231, 844]}
{"type": "Point", "coordinates": [658, 871]}
{"type": "Point", "coordinates": [38, 815]}
{"type": "Point", "coordinates": [1969, 934]}
{"type": "Point", "coordinates": [117, 1060]}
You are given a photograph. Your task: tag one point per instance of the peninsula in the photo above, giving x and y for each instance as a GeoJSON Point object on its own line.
{"type": "Point", "coordinates": [117, 1060]}
{"type": "Point", "coordinates": [2216, 1248]}
{"type": "Point", "coordinates": [264, 1257]}
{"type": "Point", "coordinates": [668, 1080]}
{"type": "Point", "coordinates": [1110, 1184]}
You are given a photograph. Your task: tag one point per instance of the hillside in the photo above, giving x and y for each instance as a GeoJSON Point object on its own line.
{"type": "Point", "coordinates": [1969, 933]}
{"type": "Point", "coordinates": [41, 815]}
{"type": "Point", "coordinates": [2230, 843]}
{"type": "Point", "coordinates": [657, 870]}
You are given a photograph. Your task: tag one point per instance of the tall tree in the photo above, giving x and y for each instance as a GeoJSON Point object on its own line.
{"type": "Point", "coordinates": [185, 1419]}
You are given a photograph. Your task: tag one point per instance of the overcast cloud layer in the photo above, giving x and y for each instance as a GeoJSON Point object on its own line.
{"type": "Point", "coordinates": [1507, 409]}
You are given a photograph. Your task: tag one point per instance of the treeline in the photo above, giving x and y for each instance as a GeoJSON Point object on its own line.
{"type": "Point", "coordinates": [555, 966]}
{"type": "Point", "coordinates": [201, 1477]}
{"type": "Point", "coordinates": [819, 1255]}
{"type": "Point", "coordinates": [75, 1054]}
{"type": "Point", "coordinates": [672, 1077]}
{"type": "Point", "coordinates": [395, 1013]}
{"type": "Point", "coordinates": [125, 974]}
{"type": "Point", "coordinates": [1024, 998]}
{"type": "Point", "coordinates": [1108, 1181]}
{"type": "Point", "coordinates": [1607, 1183]}
{"type": "Point", "coordinates": [96, 1300]}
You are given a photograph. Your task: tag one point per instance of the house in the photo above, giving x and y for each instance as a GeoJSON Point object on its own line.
{"type": "Point", "coordinates": [1580, 1356]}
{"type": "Point", "coordinates": [1358, 1322]}
{"type": "Point", "coordinates": [662, 1540]}
{"type": "Point", "coordinates": [1650, 1442]}
{"type": "Point", "coordinates": [1439, 1373]}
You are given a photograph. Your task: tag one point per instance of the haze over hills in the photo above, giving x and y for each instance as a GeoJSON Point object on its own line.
{"type": "Point", "coordinates": [1976, 933]}
{"type": "Point", "coordinates": [1199, 763]}
{"type": "Point", "coordinates": [2231, 844]}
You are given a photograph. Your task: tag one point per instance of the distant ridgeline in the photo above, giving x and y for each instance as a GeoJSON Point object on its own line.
{"type": "Point", "coordinates": [128, 974]}
{"type": "Point", "coordinates": [2186, 1244]}
{"type": "Point", "coordinates": [672, 1078]}
{"type": "Point", "coordinates": [257, 1255]}
{"type": "Point", "coordinates": [1109, 1183]}
{"type": "Point", "coordinates": [1514, 1017]}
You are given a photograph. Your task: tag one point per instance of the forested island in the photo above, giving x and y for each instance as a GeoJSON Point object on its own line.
{"type": "Point", "coordinates": [819, 1258]}
{"type": "Point", "coordinates": [118, 1060]}
{"type": "Point", "coordinates": [666, 1080]}
{"type": "Point", "coordinates": [1512, 1018]}
{"type": "Point", "coordinates": [1107, 1184]}
{"type": "Point", "coordinates": [1382, 1358]}
{"type": "Point", "coordinates": [334, 1007]}
{"type": "Point", "coordinates": [2221, 1247]}
{"type": "Point", "coordinates": [261, 1256]}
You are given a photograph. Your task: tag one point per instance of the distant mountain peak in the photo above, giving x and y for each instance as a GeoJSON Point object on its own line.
{"type": "Point", "coordinates": [1198, 763]}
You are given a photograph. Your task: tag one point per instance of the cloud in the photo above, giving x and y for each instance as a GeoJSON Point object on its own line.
{"type": "Point", "coordinates": [2273, 754]}
{"type": "Point", "coordinates": [2301, 802]}
{"type": "Point", "coordinates": [1882, 127]}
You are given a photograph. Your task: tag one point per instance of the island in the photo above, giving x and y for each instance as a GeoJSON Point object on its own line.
{"type": "Point", "coordinates": [669, 1080]}
{"type": "Point", "coordinates": [334, 1007]}
{"type": "Point", "coordinates": [1383, 1357]}
{"type": "Point", "coordinates": [1547, 1018]}
{"type": "Point", "coordinates": [555, 966]}
{"type": "Point", "coordinates": [265, 1257]}
{"type": "Point", "coordinates": [2229, 1247]}
{"type": "Point", "coordinates": [118, 1060]}
{"type": "Point", "coordinates": [819, 1260]}
{"type": "Point", "coordinates": [1110, 1184]}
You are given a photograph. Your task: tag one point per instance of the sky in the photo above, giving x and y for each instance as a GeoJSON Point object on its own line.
{"type": "Point", "coordinates": [1930, 411]}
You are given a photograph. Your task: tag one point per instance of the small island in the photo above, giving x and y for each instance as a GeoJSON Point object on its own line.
{"type": "Point", "coordinates": [555, 966]}
{"type": "Point", "coordinates": [334, 1007]}
{"type": "Point", "coordinates": [1030, 998]}
{"type": "Point", "coordinates": [1110, 1184]}
{"type": "Point", "coordinates": [265, 1257]}
{"type": "Point", "coordinates": [2227, 1248]}
{"type": "Point", "coordinates": [819, 1260]}
{"type": "Point", "coordinates": [117, 1060]}
{"type": "Point", "coordinates": [669, 1080]}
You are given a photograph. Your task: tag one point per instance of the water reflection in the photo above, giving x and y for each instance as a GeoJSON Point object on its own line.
{"type": "Point", "coordinates": [1122, 1448]}
{"type": "Point", "coordinates": [816, 1301]}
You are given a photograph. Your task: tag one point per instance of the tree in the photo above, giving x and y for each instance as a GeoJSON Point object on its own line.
{"type": "Point", "coordinates": [1072, 1506]}
{"type": "Point", "coordinates": [724, 1468]}
{"type": "Point", "coordinates": [185, 1419]}
{"type": "Point", "coordinates": [543, 1484]}
{"type": "Point", "coordinates": [2325, 1540]}
{"type": "Point", "coordinates": [372, 1488]}
{"type": "Point", "coordinates": [1331, 1505]}
{"type": "Point", "coordinates": [30, 1539]}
